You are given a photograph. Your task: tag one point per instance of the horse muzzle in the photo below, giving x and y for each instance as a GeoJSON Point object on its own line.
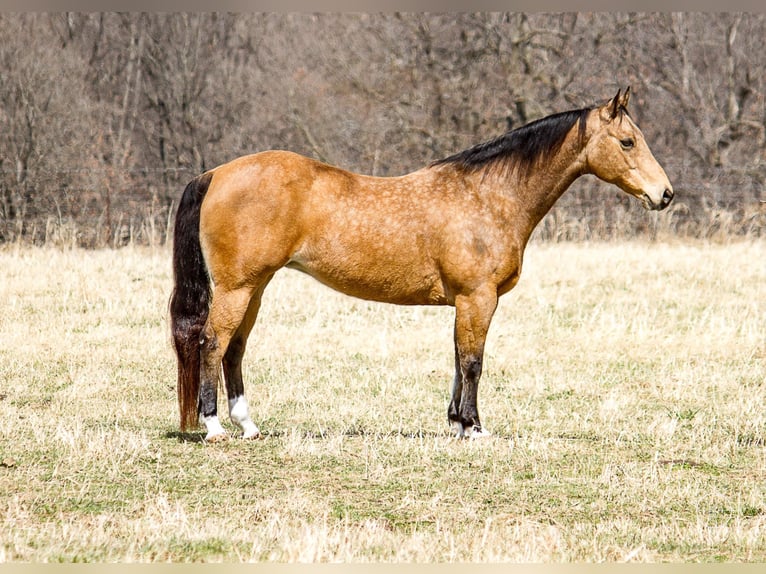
{"type": "Point", "coordinates": [658, 205]}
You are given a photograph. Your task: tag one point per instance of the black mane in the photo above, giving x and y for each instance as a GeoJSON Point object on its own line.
{"type": "Point", "coordinates": [522, 148]}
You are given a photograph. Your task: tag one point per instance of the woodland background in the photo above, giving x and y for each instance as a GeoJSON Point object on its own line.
{"type": "Point", "coordinates": [104, 117]}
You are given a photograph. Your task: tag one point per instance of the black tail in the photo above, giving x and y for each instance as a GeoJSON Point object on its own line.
{"type": "Point", "coordinates": [190, 301]}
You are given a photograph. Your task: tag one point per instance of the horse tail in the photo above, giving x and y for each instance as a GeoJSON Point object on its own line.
{"type": "Point", "coordinates": [190, 300]}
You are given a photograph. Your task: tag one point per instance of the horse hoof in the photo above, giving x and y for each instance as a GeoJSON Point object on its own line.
{"type": "Point", "coordinates": [249, 430]}
{"type": "Point", "coordinates": [475, 433]}
{"type": "Point", "coordinates": [219, 437]}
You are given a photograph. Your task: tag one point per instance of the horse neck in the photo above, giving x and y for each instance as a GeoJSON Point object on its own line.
{"type": "Point", "coordinates": [535, 193]}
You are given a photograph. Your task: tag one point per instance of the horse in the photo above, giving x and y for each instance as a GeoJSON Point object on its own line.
{"type": "Point", "coordinates": [452, 233]}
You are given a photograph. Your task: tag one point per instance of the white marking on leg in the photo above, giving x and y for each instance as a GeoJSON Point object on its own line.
{"type": "Point", "coordinates": [240, 416]}
{"type": "Point", "coordinates": [215, 431]}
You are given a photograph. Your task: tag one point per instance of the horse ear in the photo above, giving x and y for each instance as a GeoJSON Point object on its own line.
{"type": "Point", "coordinates": [625, 98]}
{"type": "Point", "coordinates": [612, 106]}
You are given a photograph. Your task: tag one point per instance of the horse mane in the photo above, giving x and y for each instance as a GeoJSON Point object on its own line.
{"type": "Point", "coordinates": [520, 149]}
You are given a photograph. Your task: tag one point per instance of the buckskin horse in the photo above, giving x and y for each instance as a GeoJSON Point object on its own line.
{"type": "Point", "coordinates": [452, 233]}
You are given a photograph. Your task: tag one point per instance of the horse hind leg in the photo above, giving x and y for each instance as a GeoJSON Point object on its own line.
{"type": "Point", "coordinates": [239, 410]}
{"type": "Point", "coordinates": [227, 312]}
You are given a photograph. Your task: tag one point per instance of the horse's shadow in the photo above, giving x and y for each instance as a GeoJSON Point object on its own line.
{"type": "Point", "coordinates": [196, 437]}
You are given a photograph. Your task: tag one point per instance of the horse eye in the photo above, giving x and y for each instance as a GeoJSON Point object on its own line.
{"type": "Point", "coordinates": [627, 143]}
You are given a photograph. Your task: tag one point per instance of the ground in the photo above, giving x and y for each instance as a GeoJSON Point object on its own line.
{"type": "Point", "coordinates": [623, 384]}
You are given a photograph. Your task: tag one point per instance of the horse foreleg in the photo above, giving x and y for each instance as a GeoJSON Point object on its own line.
{"type": "Point", "coordinates": [473, 314]}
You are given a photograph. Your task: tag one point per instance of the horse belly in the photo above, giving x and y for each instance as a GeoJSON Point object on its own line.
{"type": "Point", "coordinates": [403, 277]}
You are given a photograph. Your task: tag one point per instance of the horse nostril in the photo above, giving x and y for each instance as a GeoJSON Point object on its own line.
{"type": "Point", "coordinates": [667, 197]}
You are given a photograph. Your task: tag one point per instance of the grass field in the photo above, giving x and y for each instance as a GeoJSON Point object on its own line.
{"type": "Point", "coordinates": [625, 387]}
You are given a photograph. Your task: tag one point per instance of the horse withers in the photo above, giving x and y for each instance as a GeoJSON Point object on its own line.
{"type": "Point", "coordinates": [452, 233]}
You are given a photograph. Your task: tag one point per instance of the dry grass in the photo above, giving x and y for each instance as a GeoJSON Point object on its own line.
{"type": "Point", "coordinates": [624, 385]}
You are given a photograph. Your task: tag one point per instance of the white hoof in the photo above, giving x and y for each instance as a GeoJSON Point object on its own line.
{"type": "Point", "coordinates": [457, 428]}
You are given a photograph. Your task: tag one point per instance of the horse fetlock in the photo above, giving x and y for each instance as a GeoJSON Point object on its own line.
{"type": "Point", "coordinates": [239, 412]}
{"type": "Point", "coordinates": [466, 426]}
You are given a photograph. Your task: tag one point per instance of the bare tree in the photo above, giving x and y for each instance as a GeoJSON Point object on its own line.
{"type": "Point", "coordinates": [105, 116]}
{"type": "Point", "coordinates": [45, 136]}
